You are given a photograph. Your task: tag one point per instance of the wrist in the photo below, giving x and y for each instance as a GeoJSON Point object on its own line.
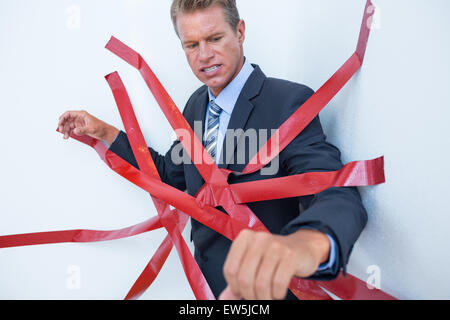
{"type": "Point", "coordinates": [313, 242]}
{"type": "Point", "coordinates": [110, 134]}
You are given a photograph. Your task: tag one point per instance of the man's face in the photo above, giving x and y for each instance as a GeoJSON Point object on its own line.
{"type": "Point", "coordinates": [214, 51]}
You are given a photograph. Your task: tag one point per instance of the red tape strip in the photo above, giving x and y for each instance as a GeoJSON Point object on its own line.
{"type": "Point", "coordinates": [145, 162]}
{"type": "Point", "coordinates": [80, 235]}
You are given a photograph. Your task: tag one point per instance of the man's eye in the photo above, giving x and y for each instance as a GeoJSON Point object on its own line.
{"type": "Point", "coordinates": [217, 39]}
{"type": "Point", "coordinates": [191, 46]}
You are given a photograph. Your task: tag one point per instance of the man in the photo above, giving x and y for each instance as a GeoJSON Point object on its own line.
{"type": "Point", "coordinates": [312, 236]}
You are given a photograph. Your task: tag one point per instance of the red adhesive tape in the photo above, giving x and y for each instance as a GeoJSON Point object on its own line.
{"type": "Point", "coordinates": [216, 185]}
{"type": "Point", "coordinates": [79, 235]}
{"type": "Point", "coordinates": [145, 162]}
{"type": "Point", "coordinates": [216, 190]}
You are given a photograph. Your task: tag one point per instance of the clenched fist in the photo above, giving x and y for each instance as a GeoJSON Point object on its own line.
{"type": "Point", "coordinates": [83, 123]}
{"type": "Point", "coordinates": [260, 265]}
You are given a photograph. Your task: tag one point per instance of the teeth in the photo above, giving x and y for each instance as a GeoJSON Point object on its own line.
{"type": "Point", "coordinates": [211, 69]}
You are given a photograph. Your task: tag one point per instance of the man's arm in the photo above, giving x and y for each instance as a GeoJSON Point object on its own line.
{"type": "Point", "coordinates": [170, 173]}
{"type": "Point", "coordinates": [337, 212]}
{"type": "Point", "coordinates": [259, 265]}
{"type": "Point", "coordinates": [83, 123]}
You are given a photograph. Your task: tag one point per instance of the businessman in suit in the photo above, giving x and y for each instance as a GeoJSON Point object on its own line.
{"type": "Point", "coordinates": [312, 236]}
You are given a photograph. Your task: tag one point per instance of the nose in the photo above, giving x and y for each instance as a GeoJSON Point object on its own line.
{"type": "Point", "coordinates": [206, 53]}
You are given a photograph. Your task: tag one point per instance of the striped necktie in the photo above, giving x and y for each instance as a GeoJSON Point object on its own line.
{"type": "Point", "coordinates": [213, 128]}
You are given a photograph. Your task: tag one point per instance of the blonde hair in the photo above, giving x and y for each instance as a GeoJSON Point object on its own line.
{"type": "Point", "coordinates": [185, 6]}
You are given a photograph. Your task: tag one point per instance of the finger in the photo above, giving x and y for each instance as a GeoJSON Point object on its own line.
{"type": "Point", "coordinates": [249, 265]}
{"type": "Point", "coordinates": [67, 119]}
{"type": "Point", "coordinates": [83, 126]}
{"type": "Point", "coordinates": [63, 118]}
{"type": "Point", "coordinates": [65, 114]}
{"type": "Point", "coordinates": [71, 128]}
{"type": "Point", "coordinates": [68, 116]}
{"type": "Point", "coordinates": [283, 275]}
{"type": "Point", "coordinates": [82, 122]}
{"type": "Point", "coordinates": [234, 258]}
{"type": "Point", "coordinates": [265, 275]}
{"type": "Point", "coordinates": [61, 123]}
{"type": "Point", "coordinates": [228, 294]}
{"type": "Point", "coordinates": [66, 130]}
{"type": "Point", "coordinates": [71, 113]}
{"type": "Point", "coordinates": [79, 131]}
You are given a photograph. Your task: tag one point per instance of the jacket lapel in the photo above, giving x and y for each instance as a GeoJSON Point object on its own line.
{"type": "Point", "coordinates": [242, 111]}
{"type": "Point", "coordinates": [201, 102]}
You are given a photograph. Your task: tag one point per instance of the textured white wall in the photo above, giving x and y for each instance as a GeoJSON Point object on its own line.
{"type": "Point", "coordinates": [52, 59]}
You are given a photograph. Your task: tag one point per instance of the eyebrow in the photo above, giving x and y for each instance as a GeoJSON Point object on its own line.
{"type": "Point", "coordinates": [214, 35]}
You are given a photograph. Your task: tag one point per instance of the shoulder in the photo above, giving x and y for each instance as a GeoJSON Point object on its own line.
{"type": "Point", "coordinates": [199, 92]}
{"type": "Point", "coordinates": [194, 100]}
{"type": "Point", "coordinates": [286, 90]}
{"type": "Point", "coordinates": [277, 89]}
{"type": "Point", "coordinates": [286, 96]}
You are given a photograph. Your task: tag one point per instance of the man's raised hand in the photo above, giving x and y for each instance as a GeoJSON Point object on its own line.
{"type": "Point", "coordinates": [83, 123]}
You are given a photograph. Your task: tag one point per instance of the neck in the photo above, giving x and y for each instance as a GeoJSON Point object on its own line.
{"type": "Point", "coordinates": [217, 91]}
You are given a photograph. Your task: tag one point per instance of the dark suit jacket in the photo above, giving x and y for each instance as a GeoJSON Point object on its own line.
{"type": "Point", "coordinates": [265, 103]}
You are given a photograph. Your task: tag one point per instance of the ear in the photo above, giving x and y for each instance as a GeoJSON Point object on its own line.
{"type": "Point", "coordinates": [240, 30]}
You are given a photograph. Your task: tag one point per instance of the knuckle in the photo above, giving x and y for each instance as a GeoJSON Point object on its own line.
{"type": "Point", "coordinates": [244, 282]}
{"type": "Point", "coordinates": [279, 289]}
{"type": "Point", "coordinates": [230, 271]}
{"type": "Point", "coordinates": [286, 251]}
{"type": "Point", "coordinates": [290, 254]}
{"type": "Point", "coordinates": [262, 283]}
{"type": "Point", "coordinates": [275, 247]}
{"type": "Point", "coordinates": [244, 234]}
{"type": "Point", "coordinates": [280, 295]}
{"type": "Point", "coordinates": [278, 283]}
{"type": "Point", "coordinates": [261, 236]}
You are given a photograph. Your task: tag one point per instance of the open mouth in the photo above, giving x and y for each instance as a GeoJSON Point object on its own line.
{"type": "Point", "coordinates": [212, 69]}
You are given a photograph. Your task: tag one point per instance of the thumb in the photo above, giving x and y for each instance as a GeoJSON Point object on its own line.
{"type": "Point", "coordinates": [80, 131]}
{"type": "Point", "coordinates": [227, 294]}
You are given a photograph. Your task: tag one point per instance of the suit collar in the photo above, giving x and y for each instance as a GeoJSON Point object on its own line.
{"type": "Point", "coordinates": [241, 111]}
{"type": "Point", "coordinates": [251, 89]}
{"type": "Point", "coordinates": [254, 83]}
{"type": "Point", "coordinates": [227, 99]}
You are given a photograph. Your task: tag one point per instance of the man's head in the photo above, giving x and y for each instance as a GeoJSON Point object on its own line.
{"type": "Point", "coordinates": [212, 36]}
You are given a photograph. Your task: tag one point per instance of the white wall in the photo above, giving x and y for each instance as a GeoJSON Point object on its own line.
{"type": "Point", "coordinates": [50, 62]}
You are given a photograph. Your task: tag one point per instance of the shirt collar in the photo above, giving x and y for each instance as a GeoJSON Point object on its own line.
{"type": "Point", "coordinates": [228, 97]}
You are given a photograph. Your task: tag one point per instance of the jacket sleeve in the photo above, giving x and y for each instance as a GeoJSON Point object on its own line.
{"type": "Point", "coordinates": [337, 212]}
{"type": "Point", "coordinates": [170, 172]}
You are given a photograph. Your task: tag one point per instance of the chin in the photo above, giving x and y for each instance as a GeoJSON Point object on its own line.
{"type": "Point", "coordinates": [217, 83]}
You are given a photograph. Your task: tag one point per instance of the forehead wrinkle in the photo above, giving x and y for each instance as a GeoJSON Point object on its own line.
{"type": "Point", "coordinates": [200, 32]}
{"type": "Point", "coordinates": [199, 28]}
